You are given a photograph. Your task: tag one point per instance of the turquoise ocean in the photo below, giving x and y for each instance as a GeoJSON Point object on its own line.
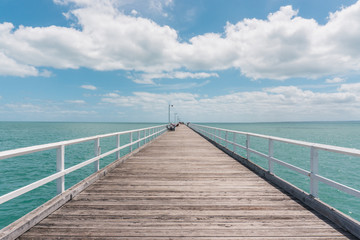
{"type": "Point", "coordinates": [20, 171]}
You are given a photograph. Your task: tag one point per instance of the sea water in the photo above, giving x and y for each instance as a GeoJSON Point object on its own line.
{"type": "Point", "coordinates": [20, 171]}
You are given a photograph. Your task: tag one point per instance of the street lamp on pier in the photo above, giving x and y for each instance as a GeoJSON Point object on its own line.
{"type": "Point", "coordinates": [169, 111]}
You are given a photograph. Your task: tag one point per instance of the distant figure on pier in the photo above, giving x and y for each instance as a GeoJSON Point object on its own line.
{"type": "Point", "coordinates": [171, 127]}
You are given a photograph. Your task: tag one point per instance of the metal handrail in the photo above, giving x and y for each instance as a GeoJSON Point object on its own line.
{"type": "Point", "coordinates": [59, 176]}
{"type": "Point", "coordinates": [313, 174]}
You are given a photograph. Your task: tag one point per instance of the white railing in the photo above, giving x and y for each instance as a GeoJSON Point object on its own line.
{"type": "Point", "coordinates": [147, 133]}
{"type": "Point", "coordinates": [215, 135]}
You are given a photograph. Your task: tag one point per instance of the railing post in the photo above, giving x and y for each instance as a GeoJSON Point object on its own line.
{"type": "Point", "coordinates": [234, 139]}
{"type": "Point", "coordinates": [226, 139]}
{"type": "Point", "coordinates": [117, 146]}
{"type": "Point", "coordinates": [97, 153]}
{"type": "Point", "coordinates": [60, 163]}
{"type": "Point", "coordinates": [138, 138]}
{"type": "Point", "coordinates": [131, 142]}
{"type": "Point", "coordinates": [271, 154]}
{"type": "Point", "coordinates": [248, 146]}
{"type": "Point", "coordinates": [144, 141]}
{"type": "Point", "coordinates": [314, 169]}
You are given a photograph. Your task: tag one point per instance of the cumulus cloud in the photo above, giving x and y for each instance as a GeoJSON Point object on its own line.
{"type": "Point", "coordinates": [76, 101]}
{"type": "Point", "coordinates": [88, 87]}
{"type": "Point", "coordinates": [335, 80]}
{"type": "Point", "coordinates": [46, 110]}
{"type": "Point", "coordinates": [181, 86]}
{"type": "Point", "coordinates": [158, 6]}
{"type": "Point", "coordinates": [25, 108]}
{"type": "Point", "coordinates": [144, 81]}
{"type": "Point", "coordinates": [353, 88]}
{"type": "Point", "coordinates": [179, 75]}
{"type": "Point", "coordinates": [285, 103]}
{"type": "Point", "coordinates": [134, 12]}
{"type": "Point", "coordinates": [282, 46]}
{"type": "Point", "coordinates": [150, 101]}
{"type": "Point", "coordinates": [148, 78]}
{"type": "Point", "coordinates": [10, 67]}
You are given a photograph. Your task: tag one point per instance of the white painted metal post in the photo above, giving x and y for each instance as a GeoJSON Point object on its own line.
{"type": "Point", "coordinates": [118, 145]}
{"type": "Point", "coordinates": [145, 135]}
{"type": "Point", "coordinates": [234, 139]}
{"type": "Point", "coordinates": [314, 169]}
{"type": "Point", "coordinates": [131, 142]}
{"type": "Point", "coordinates": [271, 154]}
{"type": "Point", "coordinates": [138, 138]}
{"type": "Point", "coordinates": [226, 139]}
{"type": "Point", "coordinates": [248, 146]}
{"type": "Point", "coordinates": [60, 163]}
{"type": "Point", "coordinates": [97, 153]}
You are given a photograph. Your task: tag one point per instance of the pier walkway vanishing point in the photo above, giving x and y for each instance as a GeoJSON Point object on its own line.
{"type": "Point", "coordinates": [182, 187]}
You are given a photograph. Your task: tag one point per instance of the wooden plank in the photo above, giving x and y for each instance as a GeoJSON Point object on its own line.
{"type": "Point", "coordinates": [182, 187]}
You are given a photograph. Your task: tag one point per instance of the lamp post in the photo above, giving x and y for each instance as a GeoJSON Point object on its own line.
{"type": "Point", "coordinates": [169, 112]}
{"type": "Point", "coordinates": [175, 118]}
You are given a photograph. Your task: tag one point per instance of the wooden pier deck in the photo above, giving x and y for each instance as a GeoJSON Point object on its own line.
{"type": "Point", "coordinates": [183, 187]}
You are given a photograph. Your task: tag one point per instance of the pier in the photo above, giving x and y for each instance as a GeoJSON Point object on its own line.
{"type": "Point", "coordinates": [180, 186]}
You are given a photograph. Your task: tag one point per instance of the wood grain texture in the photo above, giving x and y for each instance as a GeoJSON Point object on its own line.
{"type": "Point", "coordinates": [182, 187]}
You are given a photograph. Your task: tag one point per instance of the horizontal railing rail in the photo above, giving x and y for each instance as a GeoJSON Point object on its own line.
{"type": "Point", "coordinates": [214, 134]}
{"type": "Point", "coordinates": [148, 134]}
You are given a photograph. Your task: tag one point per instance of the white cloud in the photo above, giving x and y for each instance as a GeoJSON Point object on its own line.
{"type": "Point", "coordinates": [76, 101]}
{"type": "Point", "coordinates": [9, 67]}
{"type": "Point", "coordinates": [353, 88]}
{"type": "Point", "coordinates": [88, 87]}
{"type": "Point", "coordinates": [282, 46]}
{"type": "Point", "coordinates": [134, 12]}
{"type": "Point", "coordinates": [113, 95]}
{"type": "Point", "coordinates": [25, 108]}
{"type": "Point", "coordinates": [158, 6]}
{"type": "Point", "coordinates": [181, 86]}
{"type": "Point", "coordinates": [335, 80]}
{"type": "Point", "coordinates": [76, 112]}
{"type": "Point", "coordinates": [286, 103]}
{"type": "Point", "coordinates": [148, 78]}
{"type": "Point", "coordinates": [46, 110]}
{"type": "Point", "coordinates": [179, 75]}
{"type": "Point", "coordinates": [150, 101]}
{"type": "Point", "coordinates": [144, 81]}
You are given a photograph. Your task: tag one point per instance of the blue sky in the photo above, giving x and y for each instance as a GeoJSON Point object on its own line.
{"type": "Point", "coordinates": [228, 61]}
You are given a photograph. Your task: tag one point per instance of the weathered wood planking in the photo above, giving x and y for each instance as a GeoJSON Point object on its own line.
{"type": "Point", "coordinates": [182, 187]}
